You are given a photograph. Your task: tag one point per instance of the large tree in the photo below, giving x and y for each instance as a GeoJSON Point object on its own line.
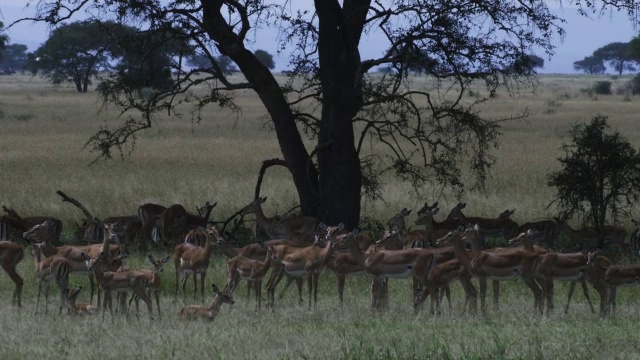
{"type": "Point", "coordinates": [600, 175]}
{"type": "Point", "coordinates": [616, 54]}
{"type": "Point", "coordinates": [265, 58]}
{"type": "Point", "coordinates": [590, 65]}
{"type": "Point", "coordinates": [422, 135]}
{"type": "Point", "coordinates": [13, 57]}
{"type": "Point", "coordinates": [76, 52]}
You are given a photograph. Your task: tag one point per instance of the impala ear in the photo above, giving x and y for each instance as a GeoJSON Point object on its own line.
{"type": "Point", "coordinates": [151, 259]}
{"type": "Point", "coordinates": [165, 259]}
{"type": "Point", "coordinates": [340, 226]}
{"type": "Point", "coordinates": [263, 199]}
{"type": "Point", "coordinates": [434, 211]}
{"type": "Point", "coordinates": [215, 288]}
{"type": "Point", "coordinates": [435, 204]}
{"type": "Point", "coordinates": [322, 226]}
{"type": "Point", "coordinates": [355, 231]}
{"type": "Point", "coordinates": [476, 227]}
{"type": "Point", "coordinates": [461, 228]}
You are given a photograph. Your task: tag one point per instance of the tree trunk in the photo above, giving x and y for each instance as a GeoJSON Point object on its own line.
{"type": "Point", "coordinates": [338, 161]}
{"type": "Point", "coordinates": [78, 83]}
{"type": "Point", "coordinates": [303, 171]}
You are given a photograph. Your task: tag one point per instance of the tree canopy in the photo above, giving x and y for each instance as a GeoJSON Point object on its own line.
{"type": "Point", "coordinates": [76, 52]}
{"type": "Point", "coordinates": [590, 65]}
{"type": "Point", "coordinates": [600, 175]}
{"type": "Point", "coordinates": [617, 55]}
{"type": "Point", "coordinates": [13, 57]}
{"type": "Point", "coordinates": [424, 136]}
{"type": "Point", "coordinates": [265, 59]}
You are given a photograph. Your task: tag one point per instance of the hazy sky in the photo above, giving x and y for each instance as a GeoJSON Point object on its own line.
{"type": "Point", "coordinates": [583, 36]}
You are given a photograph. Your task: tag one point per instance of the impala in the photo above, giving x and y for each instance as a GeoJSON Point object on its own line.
{"type": "Point", "coordinates": [502, 225]}
{"type": "Point", "coordinates": [302, 227]}
{"type": "Point", "coordinates": [56, 268]}
{"type": "Point", "coordinates": [242, 268]}
{"type": "Point", "coordinates": [397, 222]}
{"type": "Point", "coordinates": [176, 221]}
{"type": "Point", "coordinates": [493, 265]}
{"type": "Point", "coordinates": [194, 312]}
{"type": "Point", "coordinates": [309, 261]}
{"type": "Point", "coordinates": [548, 230]}
{"type": "Point", "coordinates": [21, 224]}
{"type": "Point", "coordinates": [125, 281]}
{"type": "Point", "coordinates": [125, 228]}
{"type": "Point", "coordinates": [153, 277]}
{"type": "Point", "coordinates": [149, 215]}
{"type": "Point", "coordinates": [556, 266]}
{"type": "Point", "coordinates": [404, 263]}
{"type": "Point", "coordinates": [612, 233]}
{"type": "Point", "coordinates": [45, 233]}
{"type": "Point", "coordinates": [194, 260]}
{"type": "Point", "coordinates": [612, 277]}
{"type": "Point", "coordinates": [10, 256]}
{"type": "Point", "coordinates": [79, 308]}
{"type": "Point", "coordinates": [440, 228]}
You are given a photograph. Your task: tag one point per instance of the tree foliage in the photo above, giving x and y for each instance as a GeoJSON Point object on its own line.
{"type": "Point", "coordinates": [76, 52]}
{"type": "Point", "coordinates": [13, 57]}
{"type": "Point", "coordinates": [617, 55]}
{"type": "Point", "coordinates": [4, 39]}
{"type": "Point", "coordinates": [362, 124]}
{"type": "Point", "coordinates": [600, 175]}
{"type": "Point", "coordinates": [590, 65]}
{"type": "Point", "coordinates": [265, 59]}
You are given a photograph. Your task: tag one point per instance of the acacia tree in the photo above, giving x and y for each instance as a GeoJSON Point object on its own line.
{"type": "Point", "coordinates": [76, 52]}
{"type": "Point", "coordinates": [590, 65]}
{"type": "Point", "coordinates": [600, 175]}
{"type": "Point", "coordinates": [419, 134]}
{"type": "Point", "coordinates": [617, 55]}
{"type": "Point", "coordinates": [265, 58]}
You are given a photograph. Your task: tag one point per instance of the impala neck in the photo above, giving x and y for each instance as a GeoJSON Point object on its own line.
{"type": "Point", "coordinates": [47, 249]}
{"type": "Point", "coordinates": [461, 252]}
{"type": "Point", "coordinates": [216, 304]}
{"type": "Point", "coordinates": [261, 218]}
{"type": "Point", "coordinates": [476, 244]}
{"type": "Point", "coordinates": [266, 263]}
{"type": "Point", "coordinates": [356, 252]}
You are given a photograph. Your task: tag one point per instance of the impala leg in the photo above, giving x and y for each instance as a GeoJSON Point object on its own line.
{"type": "Point", "coordinates": [310, 286]}
{"type": "Point", "coordinates": [496, 295]}
{"type": "Point", "coordinates": [276, 276]}
{"type": "Point", "coordinates": [483, 295]}
{"type": "Point", "coordinates": [537, 294]}
{"type": "Point", "coordinates": [341, 281]}
{"type": "Point", "coordinates": [612, 297]}
{"type": "Point", "coordinates": [155, 292]}
{"type": "Point", "coordinates": [202, 276]}
{"type": "Point", "coordinates": [447, 293]}
{"type": "Point", "coordinates": [46, 297]}
{"type": "Point", "coordinates": [572, 287]}
{"type": "Point", "coordinates": [300, 282]}
{"type": "Point", "coordinates": [549, 286]}
{"type": "Point", "coordinates": [92, 287]}
{"type": "Point", "coordinates": [195, 286]}
{"type": "Point", "coordinates": [585, 290]}
{"type": "Point", "coordinates": [258, 290]}
{"type": "Point", "coordinates": [471, 294]}
{"type": "Point", "coordinates": [249, 284]}
{"type": "Point", "coordinates": [38, 298]}
{"type": "Point", "coordinates": [175, 294]}
{"type": "Point", "coordinates": [316, 278]}
{"type": "Point", "coordinates": [17, 280]}
{"type": "Point", "coordinates": [185, 278]}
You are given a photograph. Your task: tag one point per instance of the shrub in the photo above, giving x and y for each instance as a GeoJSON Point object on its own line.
{"type": "Point", "coordinates": [634, 85]}
{"type": "Point", "coordinates": [602, 87]}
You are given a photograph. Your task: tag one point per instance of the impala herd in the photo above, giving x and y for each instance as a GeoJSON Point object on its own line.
{"type": "Point", "coordinates": [302, 247]}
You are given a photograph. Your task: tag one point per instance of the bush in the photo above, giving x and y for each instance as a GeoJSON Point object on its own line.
{"type": "Point", "coordinates": [602, 87]}
{"type": "Point", "coordinates": [634, 85]}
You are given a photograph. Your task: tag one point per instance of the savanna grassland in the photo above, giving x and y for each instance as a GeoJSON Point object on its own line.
{"type": "Point", "coordinates": [42, 133]}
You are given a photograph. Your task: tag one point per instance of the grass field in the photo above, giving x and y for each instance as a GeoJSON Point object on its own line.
{"type": "Point", "coordinates": [43, 129]}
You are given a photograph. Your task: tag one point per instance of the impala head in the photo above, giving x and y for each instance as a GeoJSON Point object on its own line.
{"type": "Point", "coordinates": [73, 294]}
{"type": "Point", "coordinates": [94, 263]}
{"type": "Point", "coordinates": [206, 209]}
{"type": "Point", "coordinates": [254, 206]}
{"type": "Point", "coordinates": [456, 212]}
{"type": "Point", "coordinates": [389, 237]}
{"type": "Point", "coordinates": [214, 236]}
{"type": "Point", "coordinates": [426, 217]}
{"type": "Point", "coordinates": [450, 237]}
{"type": "Point", "coordinates": [506, 214]}
{"type": "Point", "coordinates": [418, 298]}
{"type": "Point", "coordinates": [531, 234]}
{"type": "Point", "coordinates": [593, 257]}
{"type": "Point", "coordinates": [397, 221]}
{"type": "Point", "coordinates": [225, 295]}
{"type": "Point", "coordinates": [426, 208]}
{"type": "Point", "coordinates": [157, 264]}
{"type": "Point", "coordinates": [41, 232]}
{"type": "Point", "coordinates": [330, 231]}
{"type": "Point", "coordinates": [111, 232]}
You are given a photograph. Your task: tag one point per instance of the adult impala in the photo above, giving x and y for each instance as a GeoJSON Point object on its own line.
{"type": "Point", "coordinates": [502, 225]}
{"type": "Point", "coordinates": [612, 276]}
{"type": "Point", "coordinates": [243, 268]}
{"type": "Point", "coordinates": [153, 277]}
{"type": "Point", "coordinates": [10, 256]}
{"type": "Point", "coordinates": [294, 227]}
{"type": "Point", "coordinates": [176, 221]}
{"type": "Point", "coordinates": [149, 215]}
{"type": "Point", "coordinates": [44, 234]}
{"type": "Point", "coordinates": [55, 268]}
{"type": "Point", "coordinates": [194, 260]}
{"type": "Point", "coordinates": [556, 266]}
{"type": "Point", "coordinates": [500, 266]}
{"type": "Point", "coordinates": [12, 221]}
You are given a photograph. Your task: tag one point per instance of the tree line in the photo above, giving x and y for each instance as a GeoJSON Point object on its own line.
{"type": "Point", "coordinates": [621, 56]}
{"type": "Point", "coordinates": [78, 52]}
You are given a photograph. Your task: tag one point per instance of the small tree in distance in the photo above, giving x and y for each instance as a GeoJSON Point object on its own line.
{"type": "Point", "coordinates": [600, 175]}
{"type": "Point", "coordinates": [265, 58]}
{"type": "Point", "coordinates": [590, 65]}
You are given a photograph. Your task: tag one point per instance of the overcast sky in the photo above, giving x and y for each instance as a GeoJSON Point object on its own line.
{"type": "Point", "coordinates": [583, 36]}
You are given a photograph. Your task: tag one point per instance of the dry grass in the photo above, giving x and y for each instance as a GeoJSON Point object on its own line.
{"type": "Point", "coordinates": [44, 128]}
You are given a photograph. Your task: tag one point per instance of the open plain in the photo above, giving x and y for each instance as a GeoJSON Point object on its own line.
{"type": "Point", "coordinates": [42, 132]}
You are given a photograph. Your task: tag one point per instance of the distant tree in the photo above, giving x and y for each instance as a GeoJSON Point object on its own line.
{"type": "Point", "coordinates": [617, 56]}
{"type": "Point", "coordinates": [590, 65]}
{"type": "Point", "coordinates": [76, 52]}
{"type": "Point", "coordinates": [4, 39]}
{"type": "Point", "coordinates": [226, 65]}
{"type": "Point", "coordinates": [206, 63]}
{"type": "Point", "coordinates": [600, 175]}
{"type": "Point", "coordinates": [13, 57]}
{"type": "Point", "coordinates": [633, 50]}
{"type": "Point", "coordinates": [526, 64]}
{"type": "Point", "coordinates": [265, 58]}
